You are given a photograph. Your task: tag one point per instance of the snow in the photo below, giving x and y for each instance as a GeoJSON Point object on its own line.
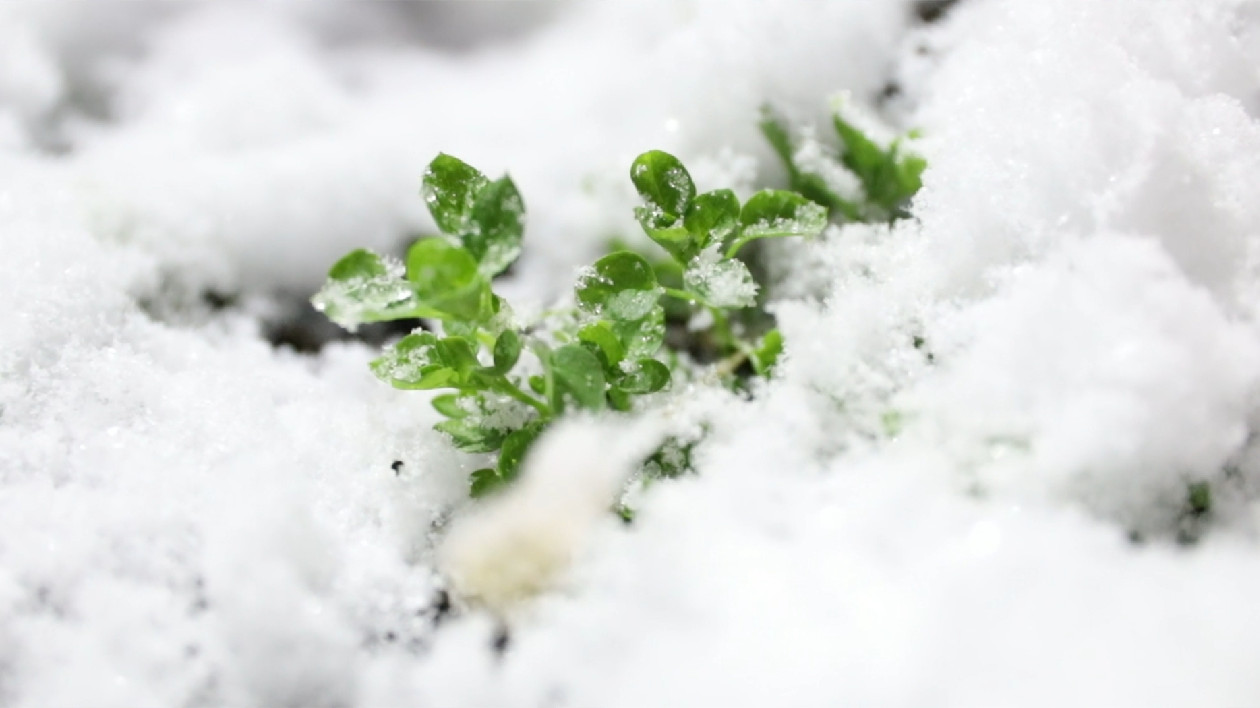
{"type": "Point", "coordinates": [1066, 335]}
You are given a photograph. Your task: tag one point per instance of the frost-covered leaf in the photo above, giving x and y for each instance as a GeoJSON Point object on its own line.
{"type": "Point", "coordinates": [889, 178]}
{"type": "Point", "coordinates": [470, 437]}
{"type": "Point", "coordinates": [580, 374]}
{"type": "Point", "coordinates": [644, 376]}
{"type": "Point", "coordinates": [620, 286]}
{"type": "Point", "coordinates": [720, 282]}
{"type": "Point", "coordinates": [446, 280]}
{"type": "Point", "coordinates": [810, 184]}
{"type": "Point", "coordinates": [642, 337]}
{"type": "Point", "coordinates": [413, 363]}
{"type": "Point", "coordinates": [423, 361]}
{"type": "Point", "coordinates": [496, 225]}
{"type": "Point", "coordinates": [712, 218]}
{"type": "Point", "coordinates": [365, 287]}
{"type": "Point", "coordinates": [667, 191]}
{"type": "Point", "coordinates": [773, 213]}
{"type": "Point", "coordinates": [450, 188]}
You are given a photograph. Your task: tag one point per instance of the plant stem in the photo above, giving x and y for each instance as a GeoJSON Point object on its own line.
{"type": "Point", "coordinates": [512, 390]}
{"type": "Point", "coordinates": [681, 295]}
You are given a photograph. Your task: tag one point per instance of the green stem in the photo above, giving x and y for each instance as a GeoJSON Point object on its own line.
{"type": "Point", "coordinates": [731, 364]}
{"type": "Point", "coordinates": [738, 244]}
{"type": "Point", "coordinates": [506, 387]}
{"type": "Point", "coordinates": [722, 328]}
{"type": "Point", "coordinates": [681, 295]}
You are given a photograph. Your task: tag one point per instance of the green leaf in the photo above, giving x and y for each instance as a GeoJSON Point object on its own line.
{"type": "Point", "coordinates": [364, 287]}
{"type": "Point", "coordinates": [470, 437]}
{"type": "Point", "coordinates": [450, 188]}
{"type": "Point", "coordinates": [713, 217]}
{"type": "Point", "coordinates": [605, 340]}
{"type": "Point", "coordinates": [766, 354]}
{"type": "Point", "coordinates": [515, 447]}
{"type": "Point", "coordinates": [449, 405]}
{"type": "Point", "coordinates": [507, 350]}
{"type": "Point", "coordinates": [580, 374]}
{"type": "Point", "coordinates": [667, 191]}
{"type": "Point", "coordinates": [890, 180]}
{"type": "Point", "coordinates": [647, 376]}
{"type": "Point", "coordinates": [619, 400]}
{"type": "Point", "coordinates": [484, 482]}
{"type": "Point", "coordinates": [538, 384]}
{"type": "Point", "coordinates": [360, 263]}
{"type": "Point", "coordinates": [496, 224]}
{"type": "Point", "coordinates": [413, 363]}
{"type": "Point", "coordinates": [642, 338]}
{"type": "Point", "coordinates": [421, 361]}
{"type": "Point", "coordinates": [774, 128]}
{"type": "Point", "coordinates": [773, 213]}
{"type": "Point", "coordinates": [458, 354]}
{"type": "Point", "coordinates": [720, 282]}
{"type": "Point", "coordinates": [671, 459]}
{"type": "Point", "coordinates": [446, 279]}
{"type": "Point", "coordinates": [621, 286]}
{"type": "Point", "coordinates": [663, 183]}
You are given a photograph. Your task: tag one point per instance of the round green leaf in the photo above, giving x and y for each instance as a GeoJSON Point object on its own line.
{"type": "Point", "coordinates": [496, 224]}
{"type": "Point", "coordinates": [507, 350]}
{"type": "Point", "coordinates": [364, 287]}
{"type": "Point", "coordinates": [580, 374]}
{"type": "Point", "coordinates": [621, 286]}
{"type": "Point", "coordinates": [713, 217]}
{"type": "Point", "coordinates": [647, 376]}
{"type": "Point", "coordinates": [603, 338]}
{"type": "Point", "coordinates": [515, 447]}
{"type": "Point", "coordinates": [664, 184]}
{"type": "Point", "coordinates": [642, 338]}
{"type": "Point", "coordinates": [446, 278]}
{"type": "Point", "coordinates": [450, 188]}
{"type": "Point", "coordinates": [773, 213]}
{"type": "Point", "coordinates": [414, 363]}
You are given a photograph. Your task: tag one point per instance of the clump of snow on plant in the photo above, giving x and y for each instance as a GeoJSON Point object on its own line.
{"type": "Point", "coordinates": [931, 504]}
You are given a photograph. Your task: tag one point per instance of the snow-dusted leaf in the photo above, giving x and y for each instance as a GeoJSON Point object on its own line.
{"type": "Point", "coordinates": [495, 226]}
{"type": "Point", "coordinates": [365, 287]}
{"type": "Point", "coordinates": [667, 191]}
{"type": "Point", "coordinates": [447, 280]}
{"type": "Point", "coordinates": [720, 282]}
{"type": "Point", "coordinates": [450, 188]}
{"type": "Point", "coordinates": [774, 213]}
{"type": "Point", "coordinates": [620, 286]}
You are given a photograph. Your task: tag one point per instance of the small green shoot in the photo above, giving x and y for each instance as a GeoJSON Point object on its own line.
{"type": "Point", "coordinates": [502, 383]}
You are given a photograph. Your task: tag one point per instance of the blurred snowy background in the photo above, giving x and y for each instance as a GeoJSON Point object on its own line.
{"type": "Point", "coordinates": [195, 513]}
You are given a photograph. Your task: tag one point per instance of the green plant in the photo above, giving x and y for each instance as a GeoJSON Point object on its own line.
{"type": "Point", "coordinates": [888, 177]}
{"type": "Point", "coordinates": [503, 381]}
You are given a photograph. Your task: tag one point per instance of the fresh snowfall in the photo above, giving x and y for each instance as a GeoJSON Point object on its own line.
{"type": "Point", "coordinates": [1010, 455]}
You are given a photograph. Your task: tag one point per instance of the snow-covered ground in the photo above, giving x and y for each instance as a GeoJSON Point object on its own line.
{"type": "Point", "coordinates": [191, 516]}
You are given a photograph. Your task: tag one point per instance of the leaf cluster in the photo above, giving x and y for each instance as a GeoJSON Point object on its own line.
{"type": "Point", "coordinates": [889, 176]}
{"type": "Point", "coordinates": [502, 384]}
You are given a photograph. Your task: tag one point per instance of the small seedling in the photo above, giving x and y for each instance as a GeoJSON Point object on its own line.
{"type": "Point", "coordinates": [504, 382]}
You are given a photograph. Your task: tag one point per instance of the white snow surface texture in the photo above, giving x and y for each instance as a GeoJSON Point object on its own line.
{"type": "Point", "coordinates": [190, 516]}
